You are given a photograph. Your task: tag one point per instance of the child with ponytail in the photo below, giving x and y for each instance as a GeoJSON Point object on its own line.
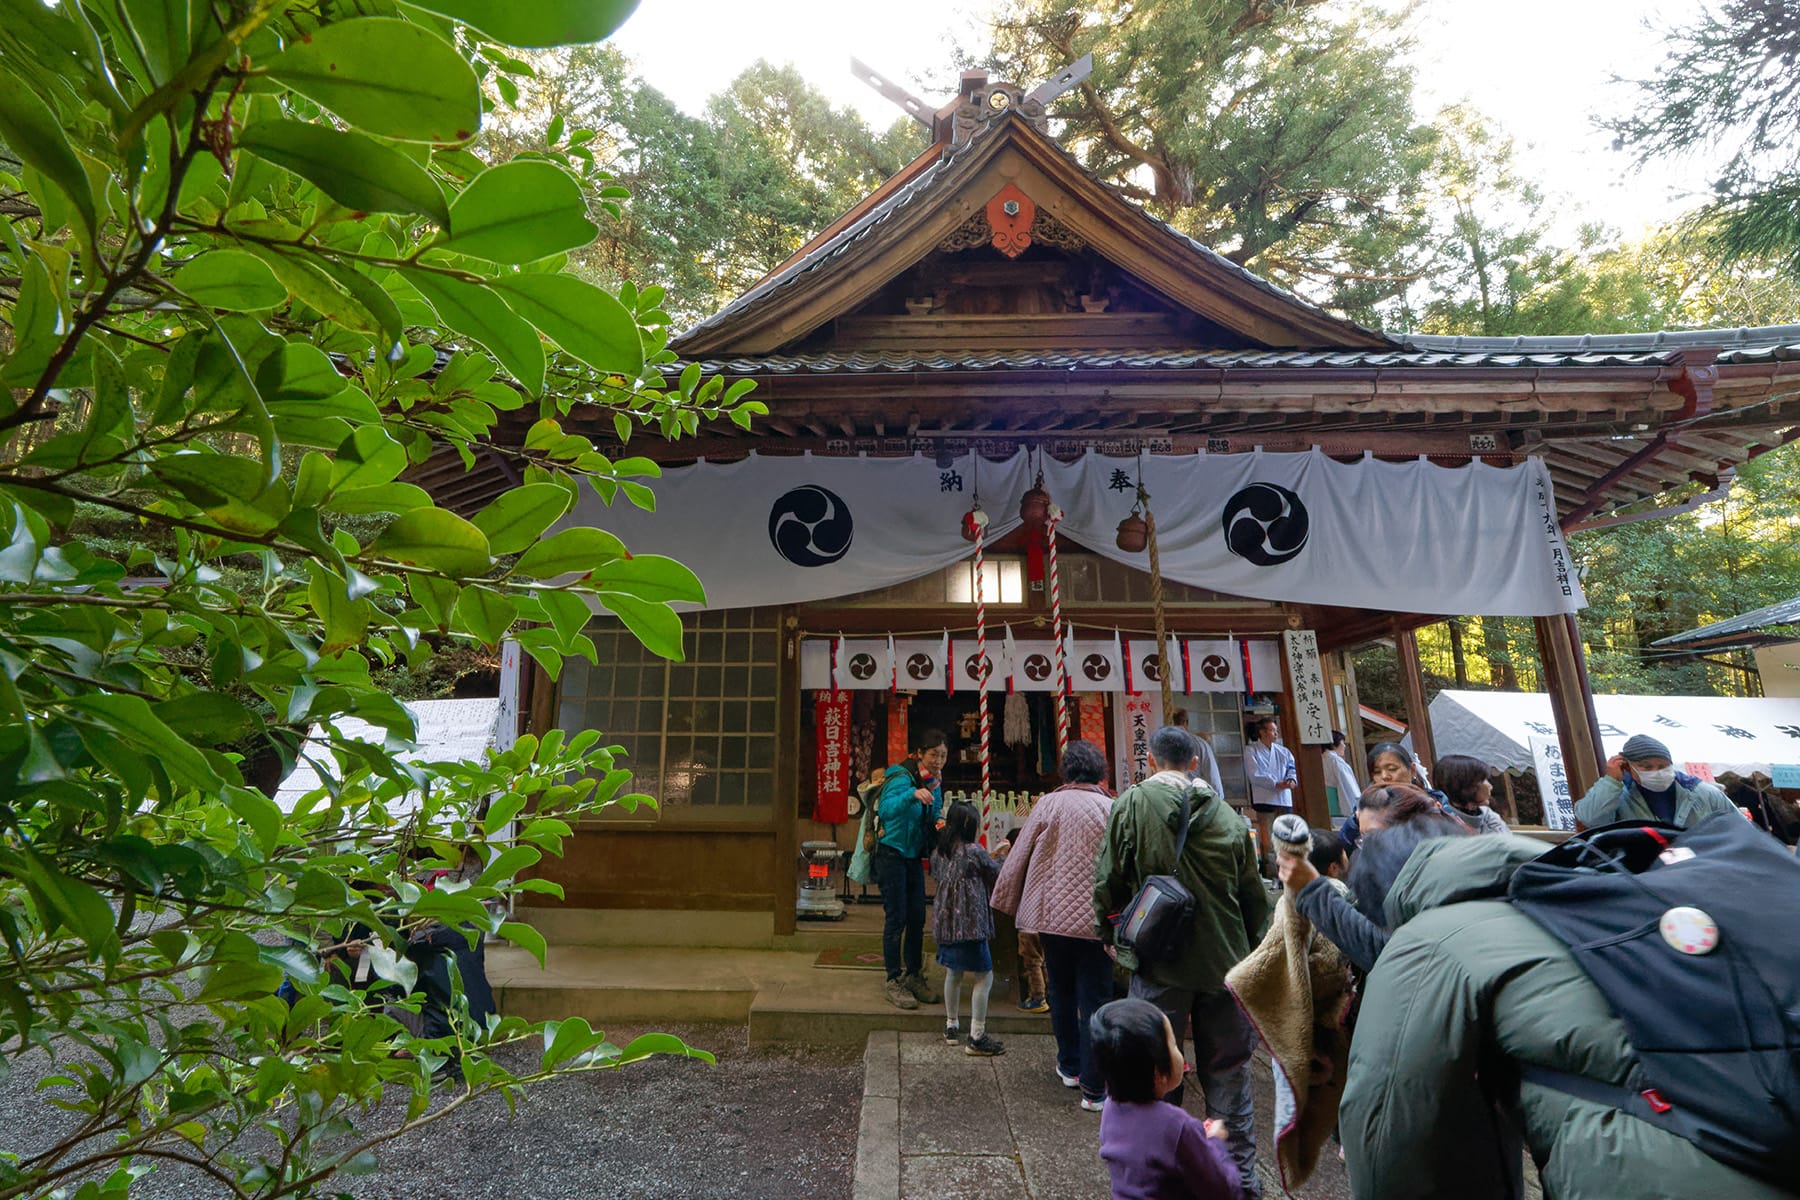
{"type": "Point", "coordinates": [964, 924]}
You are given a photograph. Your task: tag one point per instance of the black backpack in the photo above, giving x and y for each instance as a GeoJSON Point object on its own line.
{"type": "Point", "coordinates": [1716, 1032]}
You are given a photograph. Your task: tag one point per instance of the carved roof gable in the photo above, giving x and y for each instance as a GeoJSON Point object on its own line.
{"type": "Point", "coordinates": [1010, 195]}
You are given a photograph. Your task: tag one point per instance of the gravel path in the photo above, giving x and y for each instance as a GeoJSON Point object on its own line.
{"type": "Point", "coordinates": [774, 1124]}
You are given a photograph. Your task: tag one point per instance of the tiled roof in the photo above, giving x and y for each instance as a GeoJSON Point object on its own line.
{"type": "Point", "coordinates": [1756, 343]}
{"type": "Point", "coordinates": [1779, 343]}
{"type": "Point", "coordinates": [1751, 623]}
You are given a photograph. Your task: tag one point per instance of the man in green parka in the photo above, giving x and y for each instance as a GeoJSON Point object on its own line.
{"type": "Point", "coordinates": [1231, 911]}
{"type": "Point", "coordinates": [1467, 992]}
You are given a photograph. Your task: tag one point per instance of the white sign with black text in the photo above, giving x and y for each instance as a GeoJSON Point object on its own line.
{"type": "Point", "coordinates": [1553, 783]}
{"type": "Point", "coordinates": [1312, 707]}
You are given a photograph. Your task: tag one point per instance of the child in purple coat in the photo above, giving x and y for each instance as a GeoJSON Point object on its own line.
{"type": "Point", "coordinates": [1154, 1150]}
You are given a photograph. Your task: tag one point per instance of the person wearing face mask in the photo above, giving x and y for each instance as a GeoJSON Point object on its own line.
{"type": "Point", "coordinates": [1642, 784]}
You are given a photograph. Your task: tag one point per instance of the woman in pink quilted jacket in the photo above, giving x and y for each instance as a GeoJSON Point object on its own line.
{"type": "Point", "coordinates": [1048, 885]}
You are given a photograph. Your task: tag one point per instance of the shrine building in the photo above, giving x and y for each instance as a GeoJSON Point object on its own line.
{"type": "Point", "coordinates": [1261, 481]}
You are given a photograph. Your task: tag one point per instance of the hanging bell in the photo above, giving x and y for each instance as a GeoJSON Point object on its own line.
{"type": "Point", "coordinates": [1134, 533]}
{"type": "Point", "coordinates": [1034, 505]}
{"type": "Point", "coordinates": [973, 520]}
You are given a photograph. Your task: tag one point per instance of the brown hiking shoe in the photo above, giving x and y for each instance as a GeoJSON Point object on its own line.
{"type": "Point", "coordinates": [921, 990]}
{"type": "Point", "coordinates": [898, 995]}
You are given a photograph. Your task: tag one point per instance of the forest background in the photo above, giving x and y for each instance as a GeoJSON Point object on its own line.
{"type": "Point", "coordinates": [1290, 138]}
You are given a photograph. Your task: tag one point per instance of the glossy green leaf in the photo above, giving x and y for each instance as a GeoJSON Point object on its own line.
{"type": "Point", "coordinates": [484, 613]}
{"type": "Point", "coordinates": [368, 457]}
{"type": "Point", "coordinates": [161, 29]}
{"type": "Point", "coordinates": [368, 294]}
{"type": "Point", "coordinates": [231, 490]}
{"type": "Point", "coordinates": [131, 719]}
{"type": "Point", "coordinates": [569, 613]}
{"type": "Point", "coordinates": [352, 168]}
{"type": "Point", "coordinates": [19, 559]}
{"type": "Point", "coordinates": [307, 373]}
{"type": "Point", "coordinates": [260, 813]}
{"type": "Point", "coordinates": [473, 310]}
{"type": "Point", "coordinates": [519, 212]}
{"type": "Point", "coordinates": [584, 320]}
{"type": "Point", "coordinates": [344, 619]}
{"type": "Point", "coordinates": [564, 1040]}
{"type": "Point", "coordinates": [33, 133]}
{"type": "Point", "coordinates": [304, 276]}
{"type": "Point", "coordinates": [509, 863]}
{"type": "Point", "coordinates": [38, 324]}
{"type": "Point", "coordinates": [435, 597]}
{"type": "Point", "coordinates": [389, 77]}
{"type": "Point", "coordinates": [231, 280]}
{"type": "Point", "coordinates": [525, 937]}
{"type": "Point", "coordinates": [583, 550]}
{"type": "Point", "coordinates": [82, 909]}
{"type": "Point", "coordinates": [650, 577]}
{"type": "Point", "coordinates": [381, 498]}
{"type": "Point", "coordinates": [539, 23]}
{"type": "Point", "coordinates": [655, 625]}
{"type": "Point", "coordinates": [517, 516]}
{"type": "Point", "coordinates": [209, 718]}
{"type": "Point", "coordinates": [647, 1044]}
{"type": "Point", "coordinates": [437, 540]}
{"type": "Point", "coordinates": [391, 966]}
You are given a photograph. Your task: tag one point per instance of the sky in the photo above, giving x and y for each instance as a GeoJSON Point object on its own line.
{"type": "Point", "coordinates": [1541, 69]}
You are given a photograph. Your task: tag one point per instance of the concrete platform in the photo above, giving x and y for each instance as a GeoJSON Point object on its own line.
{"type": "Point", "coordinates": [940, 1125]}
{"type": "Point", "coordinates": [780, 994]}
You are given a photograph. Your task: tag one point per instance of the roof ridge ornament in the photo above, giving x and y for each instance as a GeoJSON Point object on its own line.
{"type": "Point", "coordinates": [978, 101]}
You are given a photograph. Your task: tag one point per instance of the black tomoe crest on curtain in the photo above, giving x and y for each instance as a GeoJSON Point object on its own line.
{"type": "Point", "coordinates": [1265, 524]}
{"type": "Point", "coordinates": [811, 527]}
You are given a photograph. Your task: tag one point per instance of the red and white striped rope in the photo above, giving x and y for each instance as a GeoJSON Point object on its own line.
{"type": "Point", "coordinates": [1056, 636]}
{"type": "Point", "coordinates": [983, 669]}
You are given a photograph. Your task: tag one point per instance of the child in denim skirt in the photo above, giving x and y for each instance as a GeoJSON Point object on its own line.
{"type": "Point", "coordinates": [962, 925]}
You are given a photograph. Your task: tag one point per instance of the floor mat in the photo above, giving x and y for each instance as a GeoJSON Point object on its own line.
{"type": "Point", "coordinates": [850, 960]}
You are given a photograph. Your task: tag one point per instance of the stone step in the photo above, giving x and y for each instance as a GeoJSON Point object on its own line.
{"type": "Point", "coordinates": [781, 995]}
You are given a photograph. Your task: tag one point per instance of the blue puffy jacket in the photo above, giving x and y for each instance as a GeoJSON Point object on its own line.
{"type": "Point", "coordinates": [907, 826]}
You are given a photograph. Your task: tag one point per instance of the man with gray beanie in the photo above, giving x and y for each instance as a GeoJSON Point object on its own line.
{"type": "Point", "coordinates": [1642, 784]}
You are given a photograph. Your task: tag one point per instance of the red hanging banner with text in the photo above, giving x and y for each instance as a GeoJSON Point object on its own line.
{"type": "Point", "coordinates": [831, 711]}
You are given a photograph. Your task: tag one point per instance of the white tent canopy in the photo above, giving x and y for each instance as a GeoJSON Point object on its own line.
{"type": "Point", "coordinates": [1735, 736]}
{"type": "Point", "coordinates": [449, 731]}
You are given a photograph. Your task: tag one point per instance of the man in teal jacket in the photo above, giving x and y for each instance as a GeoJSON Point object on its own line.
{"type": "Point", "coordinates": [1642, 784]}
{"type": "Point", "coordinates": [911, 799]}
{"type": "Point", "coordinates": [1469, 991]}
{"type": "Point", "coordinates": [1231, 911]}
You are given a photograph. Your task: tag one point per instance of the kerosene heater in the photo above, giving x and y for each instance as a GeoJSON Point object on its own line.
{"type": "Point", "coordinates": [818, 894]}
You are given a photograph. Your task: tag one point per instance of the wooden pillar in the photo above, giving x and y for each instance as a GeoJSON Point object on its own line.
{"type": "Point", "coordinates": [537, 698]}
{"type": "Point", "coordinates": [787, 772]}
{"type": "Point", "coordinates": [1571, 700]}
{"type": "Point", "coordinates": [1309, 761]}
{"type": "Point", "coordinates": [1412, 690]}
{"type": "Point", "coordinates": [1356, 750]}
